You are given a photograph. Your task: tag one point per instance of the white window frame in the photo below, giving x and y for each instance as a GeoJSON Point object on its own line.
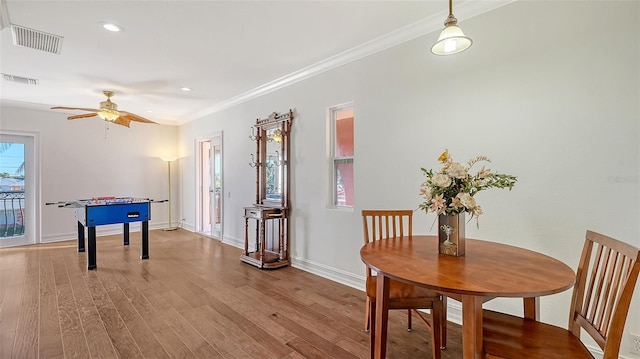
{"type": "Point", "coordinates": [333, 159]}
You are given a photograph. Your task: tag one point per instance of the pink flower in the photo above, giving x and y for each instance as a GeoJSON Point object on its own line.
{"type": "Point", "coordinates": [438, 204]}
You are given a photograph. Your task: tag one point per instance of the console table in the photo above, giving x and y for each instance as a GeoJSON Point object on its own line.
{"type": "Point", "coordinates": [268, 251]}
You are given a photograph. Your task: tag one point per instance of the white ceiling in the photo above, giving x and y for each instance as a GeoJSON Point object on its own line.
{"type": "Point", "coordinates": [226, 51]}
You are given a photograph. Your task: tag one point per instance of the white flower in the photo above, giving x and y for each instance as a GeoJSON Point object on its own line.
{"type": "Point", "coordinates": [426, 193]}
{"type": "Point", "coordinates": [466, 200]}
{"type": "Point", "coordinates": [450, 189]}
{"type": "Point", "coordinates": [457, 170]}
{"type": "Point", "coordinates": [441, 180]}
{"type": "Point", "coordinates": [476, 211]}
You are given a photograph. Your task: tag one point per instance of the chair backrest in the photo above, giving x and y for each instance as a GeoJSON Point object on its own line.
{"type": "Point", "coordinates": [380, 224]}
{"type": "Point", "coordinates": [605, 281]}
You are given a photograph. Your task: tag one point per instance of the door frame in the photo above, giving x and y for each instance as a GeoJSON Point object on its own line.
{"type": "Point", "coordinates": [213, 138]}
{"type": "Point", "coordinates": [33, 223]}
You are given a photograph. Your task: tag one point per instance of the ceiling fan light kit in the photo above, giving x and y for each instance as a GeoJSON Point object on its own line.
{"type": "Point", "coordinates": [108, 110]}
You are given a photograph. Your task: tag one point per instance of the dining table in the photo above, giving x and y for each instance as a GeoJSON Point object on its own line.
{"type": "Point", "coordinates": [486, 270]}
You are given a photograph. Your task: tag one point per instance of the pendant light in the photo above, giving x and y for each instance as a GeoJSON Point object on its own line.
{"type": "Point", "coordinates": [451, 39]}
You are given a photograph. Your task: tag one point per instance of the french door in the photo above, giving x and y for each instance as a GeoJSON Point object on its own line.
{"type": "Point", "coordinates": [210, 193]}
{"type": "Point", "coordinates": [19, 210]}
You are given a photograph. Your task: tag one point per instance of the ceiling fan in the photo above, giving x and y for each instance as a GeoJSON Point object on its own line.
{"type": "Point", "coordinates": [108, 111]}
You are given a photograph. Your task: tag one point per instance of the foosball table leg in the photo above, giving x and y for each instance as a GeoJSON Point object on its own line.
{"type": "Point", "coordinates": [145, 240]}
{"type": "Point", "coordinates": [80, 237]}
{"type": "Point", "coordinates": [125, 230]}
{"type": "Point", "coordinates": [92, 248]}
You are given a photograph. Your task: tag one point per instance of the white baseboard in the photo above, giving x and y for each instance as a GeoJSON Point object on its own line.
{"type": "Point", "coordinates": [232, 241]}
{"type": "Point", "coordinates": [334, 274]}
{"type": "Point", "coordinates": [106, 230]}
{"type": "Point", "coordinates": [454, 308]}
{"type": "Point", "coordinates": [188, 226]}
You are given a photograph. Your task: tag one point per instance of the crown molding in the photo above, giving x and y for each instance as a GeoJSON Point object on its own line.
{"type": "Point", "coordinates": [24, 105]}
{"type": "Point", "coordinates": [463, 10]}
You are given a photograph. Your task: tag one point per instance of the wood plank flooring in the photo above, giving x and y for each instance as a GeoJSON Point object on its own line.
{"type": "Point", "coordinates": [192, 299]}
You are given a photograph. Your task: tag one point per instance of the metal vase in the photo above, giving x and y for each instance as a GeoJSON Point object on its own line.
{"type": "Point", "coordinates": [451, 234]}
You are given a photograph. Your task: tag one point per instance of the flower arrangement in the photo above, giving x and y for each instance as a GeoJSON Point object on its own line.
{"type": "Point", "coordinates": [451, 189]}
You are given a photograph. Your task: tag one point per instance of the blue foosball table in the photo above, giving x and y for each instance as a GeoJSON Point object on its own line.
{"type": "Point", "coordinates": [109, 210]}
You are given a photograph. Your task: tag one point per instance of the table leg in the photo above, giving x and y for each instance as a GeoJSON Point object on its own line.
{"type": "Point", "coordinates": [262, 242]}
{"type": "Point", "coordinates": [382, 316]}
{"type": "Point", "coordinates": [91, 243]}
{"type": "Point", "coordinates": [246, 236]}
{"type": "Point", "coordinates": [145, 240]}
{"type": "Point", "coordinates": [125, 232]}
{"type": "Point", "coordinates": [80, 237]}
{"type": "Point", "coordinates": [471, 327]}
{"type": "Point", "coordinates": [531, 306]}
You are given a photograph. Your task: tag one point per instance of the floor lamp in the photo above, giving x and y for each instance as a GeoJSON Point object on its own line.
{"type": "Point", "coordinates": [169, 160]}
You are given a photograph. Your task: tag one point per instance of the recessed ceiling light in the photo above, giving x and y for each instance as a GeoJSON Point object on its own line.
{"type": "Point", "coordinates": [185, 89]}
{"type": "Point", "coordinates": [112, 27]}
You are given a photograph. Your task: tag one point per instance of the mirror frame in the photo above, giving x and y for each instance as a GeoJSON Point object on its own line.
{"type": "Point", "coordinates": [263, 136]}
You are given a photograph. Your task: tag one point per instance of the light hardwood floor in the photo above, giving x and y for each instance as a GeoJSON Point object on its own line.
{"type": "Point", "coordinates": [192, 299]}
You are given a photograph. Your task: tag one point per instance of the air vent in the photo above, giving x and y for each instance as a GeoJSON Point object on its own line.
{"type": "Point", "coordinates": [34, 39]}
{"type": "Point", "coordinates": [20, 79]}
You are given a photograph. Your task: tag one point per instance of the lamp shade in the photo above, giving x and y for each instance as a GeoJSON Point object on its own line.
{"type": "Point", "coordinates": [169, 158]}
{"type": "Point", "coordinates": [451, 41]}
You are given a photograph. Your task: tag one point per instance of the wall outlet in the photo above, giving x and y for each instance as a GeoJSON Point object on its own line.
{"type": "Point", "coordinates": [634, 346]}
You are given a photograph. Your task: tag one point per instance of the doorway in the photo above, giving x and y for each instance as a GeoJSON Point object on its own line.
{"type": "Point", "coordinates": [210, 193]}
{"type": "Point", "coordinates": [18, 191]}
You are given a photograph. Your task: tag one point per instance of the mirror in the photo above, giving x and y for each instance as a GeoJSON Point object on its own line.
{"type": "Point", "coordinates": [274, 168]}
{"type": "Point", "coordinates": [271, 160]}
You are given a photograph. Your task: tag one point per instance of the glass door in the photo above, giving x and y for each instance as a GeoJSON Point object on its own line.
{"type": "Point", "coordinates": [216, 194]}
{"type": "Point", "coordinates": [210, 193]}
{"type": "Point", "coordinates": [18, 209]}
{"type": "Point", "coordinates": [204, 177]}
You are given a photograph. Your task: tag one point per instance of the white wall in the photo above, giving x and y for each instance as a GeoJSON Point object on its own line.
{"type": "Point", "coordinates": [549, 91]}
{"type": "Point", "coordinates": [78, 161]}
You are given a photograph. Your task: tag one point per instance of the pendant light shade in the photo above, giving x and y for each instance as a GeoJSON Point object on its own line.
{"type": "Point", "coordinates": [451, 39]}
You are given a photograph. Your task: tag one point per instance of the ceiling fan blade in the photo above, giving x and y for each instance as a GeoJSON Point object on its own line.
{"type": "Point", "coordinates": [86, 115]}
{"type": "Point", "coordinates": [122, 121]}
{"type": "Point", "coordinates": [134, 117]}
{"type": "Point", "coordinates": [75, 108]}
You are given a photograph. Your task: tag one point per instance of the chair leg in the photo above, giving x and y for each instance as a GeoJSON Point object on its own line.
{"type": "Point", "coordinates": [409, 327]}
{"type": "Point", "coordinates": [443, 324]}
{"type": "Point", "coordinates": [367, 321]}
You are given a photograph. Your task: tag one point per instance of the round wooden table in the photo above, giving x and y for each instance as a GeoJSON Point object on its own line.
{"type": "Point", "coordinates": [487, 270]}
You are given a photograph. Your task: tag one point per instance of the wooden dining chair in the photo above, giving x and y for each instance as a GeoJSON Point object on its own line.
{"type": "Point", "coordinates": [391, 225]}
{"type": "Point", "coordinates": [605, 280]}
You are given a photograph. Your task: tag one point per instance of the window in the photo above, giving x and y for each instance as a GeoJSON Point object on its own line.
{"type": "Point", "coordinates": [342, 154]}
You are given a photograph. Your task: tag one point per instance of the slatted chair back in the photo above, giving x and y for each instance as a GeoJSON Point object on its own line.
{"type": "Point", "coordinates": [605, 281]}
{"type": "Point", "coordinates": [380, 224]}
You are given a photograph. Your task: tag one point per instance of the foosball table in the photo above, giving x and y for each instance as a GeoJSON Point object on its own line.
{"type": "Point", "coordinates": [109, 210]}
